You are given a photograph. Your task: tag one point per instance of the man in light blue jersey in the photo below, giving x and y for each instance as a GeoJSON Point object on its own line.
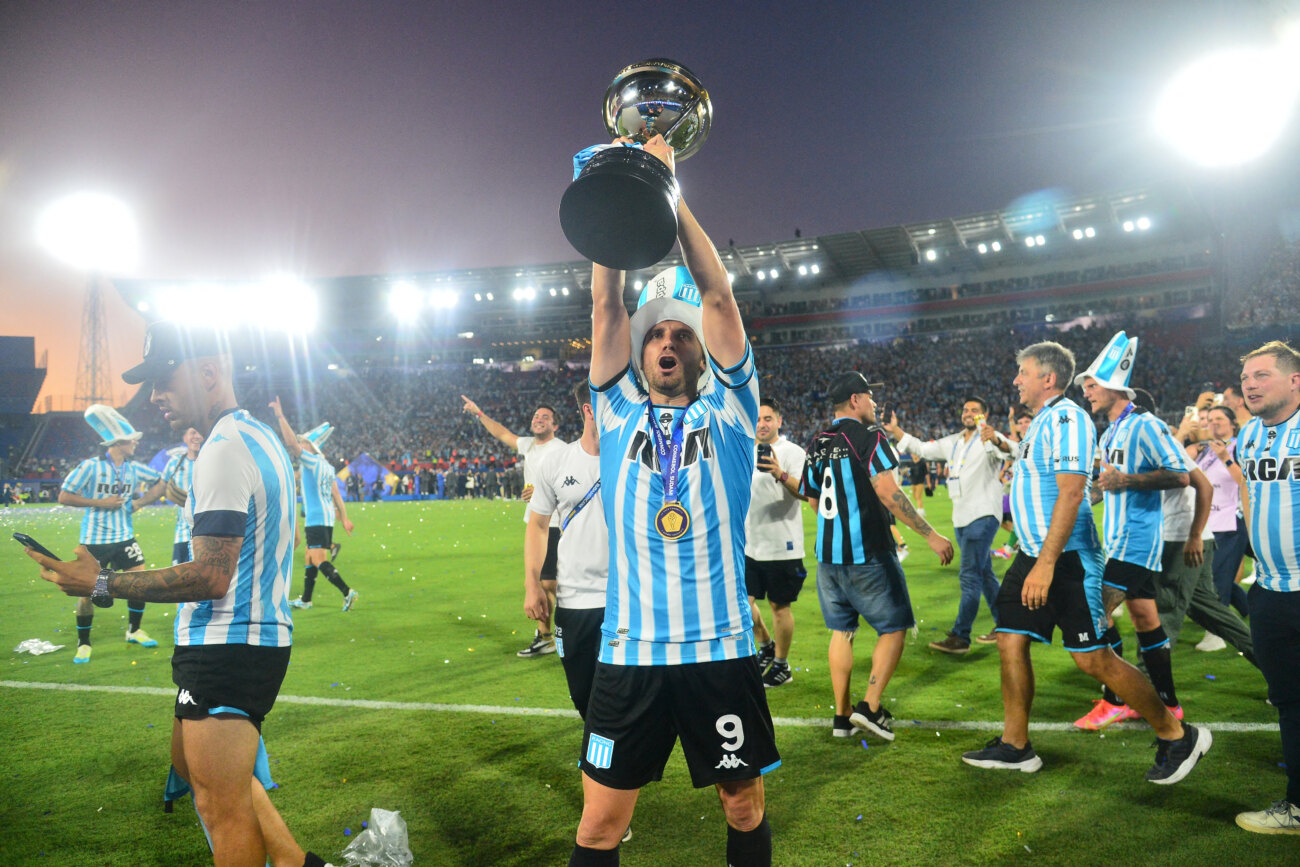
{"type": "Point", "coordinates": [233, 632]}
{"type": "Point", "coordinates": [175, 486]}
{"type": "Point", "coordinates": [1139, 459]}
{"type": "Point", "coordinates": [105, 488]}
{"type": "Point", "coordinates": [321, 505]}
{"type": "Point", "coordinates": [1048, 584]}
{"type": "Point", "coordinates": [1267, 467]}
{"type": "Point", "coordinates": [675, 394]}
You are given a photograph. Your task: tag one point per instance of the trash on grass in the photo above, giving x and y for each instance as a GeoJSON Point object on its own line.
{"type": "Point", "coordinates": [383, 843]}
{"type": "Point", "coordinates": [37, 646]}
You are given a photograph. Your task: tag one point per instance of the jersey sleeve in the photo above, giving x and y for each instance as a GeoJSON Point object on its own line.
{"type": "Point", "coordinates": [545, 497]}
{"type": "Point", "coordinates": [792, 459]}
{"type": "Point", "coordinates": [615, 401]}
{"type": "Point", "coordinates": [145, 473]}
{"type": "Point", "coordinates": [735, 389]}
{"type": "Point", "coordinates": [882, 456]}
{"type": "Point", "coordinates": [1162, 449]}
{"type": "Point", "coordinates": [79, 479]}
{"type": "Point", "coordinates": [224, 480]}
{"type": "Point", "coordinates": [1073, 441]}
{"type": "Point", "coordinates": [740, 374]}
{"type": "Point", "coordinates": [523, 444]}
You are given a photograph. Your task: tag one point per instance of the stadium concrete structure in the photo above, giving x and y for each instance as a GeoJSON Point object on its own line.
{"type": "Point", "coordinates": [1051, 262]}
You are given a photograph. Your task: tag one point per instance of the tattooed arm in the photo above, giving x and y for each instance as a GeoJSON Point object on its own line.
{"type": "Point", "coordinates": [901, 505]}
{"type": "Point", "coordinates": [207, 576]}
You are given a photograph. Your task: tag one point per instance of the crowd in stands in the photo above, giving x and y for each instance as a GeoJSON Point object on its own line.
{"type": "Point", "coordinates": [1274, 299]}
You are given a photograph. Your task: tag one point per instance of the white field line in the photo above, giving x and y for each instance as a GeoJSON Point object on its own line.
{"type": "Point", "coordinates": [516, 710]}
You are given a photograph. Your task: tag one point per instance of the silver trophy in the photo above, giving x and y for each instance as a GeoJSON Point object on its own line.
{"type": "Point", "coordinates": [621, 210]}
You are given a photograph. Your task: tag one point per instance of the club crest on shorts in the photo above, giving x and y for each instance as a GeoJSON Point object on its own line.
{"type": "Point", "coordinates": [673, 521]}
{"type": "Point", "coordinates": [600, 752]}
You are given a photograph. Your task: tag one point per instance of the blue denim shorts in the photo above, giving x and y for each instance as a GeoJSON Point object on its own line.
{"type": "Point", "coordinates": [875, 590]}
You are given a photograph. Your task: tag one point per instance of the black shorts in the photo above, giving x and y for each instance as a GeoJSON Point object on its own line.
{"type": "Point", "coordinates": [227, 678]}
{"type": "Point", "coordinates": [181, 553]}
{"type": "Point", "coordinates": [1136, 581]}
{"type": "Point", "coordinates": [577, 641]}
{"type": "Point", "coordinates": [1073, 604]}
{"type": "Point", "coordinates": [917, 474]}
{"type": "Point", "coordinates": [549, 570]}
{"type": "Point", "coordinates": [778, 580]}
{"type": "Point", "coordinates": [637, 713]}
{"type": "Point", "coordinates": [320, 537]}
{"type": "Point", "coordinates": [118, 556]}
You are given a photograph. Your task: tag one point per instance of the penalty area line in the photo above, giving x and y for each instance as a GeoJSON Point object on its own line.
{"type": "Point", "coordinates": [495, 710]}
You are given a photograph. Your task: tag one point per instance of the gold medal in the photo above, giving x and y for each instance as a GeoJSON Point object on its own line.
{"type": "Point", "coordinates": [673, 521]}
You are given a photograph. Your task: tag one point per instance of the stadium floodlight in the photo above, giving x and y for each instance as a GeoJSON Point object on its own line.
{"type": "Point", "coordinates": [443, 299]}
{"type": "Point", "coordinates": [1127, 226]}
{"type": "Point", "coordinates": [1231, 106]}
{"type": "Point", "coordinates": [1030, 241]}
{"type": "Point", "coordinates": [816, 269]}
{"type": "Point", "coordinates": [554, 292]}
{"type": "Point", "coordinates": [1090, 232]}
{"type": "Point", "coordinates": [931, 255]}
{"type": "Point", "coordinates": [90, 232]}
{"type": "Point", "coordinates": [761, 275]}
{"type": "Point", "coordinates": [404, 302]}
{"type": "Point", "coordinates": [478, 296]}
{"type": "Point", "coordinates": [1143, 223]}
{"type": "Point", "coordinates": [772, 273]}
{"type": "Point", "coordinates": [1077, 234]}
{"type": "Point", "coordinates": [491, 297]}
{"type": "Point", "coordinates": [803, 270]}
{"type": "Point", "coordinates": [331, 366]}
{"type": "Point", "coordinates": [996, 246]}
{"type": "Point", "coordinates": [564, 290]}
{"type": "Point", "coordinates": [1040, 239]}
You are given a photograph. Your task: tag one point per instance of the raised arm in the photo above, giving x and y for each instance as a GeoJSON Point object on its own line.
{"type": "Point", "coordinates": [287, 435]}
{"type": "Point", "coordinates": [611, 330]}
{"type": "Point", "coordinates": [724, 332]}
{"type": "Point", "coordinates": [496, 428]}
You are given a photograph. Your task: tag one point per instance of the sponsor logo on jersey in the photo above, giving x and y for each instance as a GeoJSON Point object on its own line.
{"type": "Point", "coordinates": [698, 446]}
{"type": "Point", "coordinates": [600, 752]}
{"type": "Point", "coordinates": [1271, 469]}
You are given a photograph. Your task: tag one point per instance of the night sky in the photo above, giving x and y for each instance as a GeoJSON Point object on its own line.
{"type": "Point", "coordinates": [332, 138]}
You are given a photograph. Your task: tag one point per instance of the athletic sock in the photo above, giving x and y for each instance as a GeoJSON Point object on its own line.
{"type": "Point", "coordinates": [1111, 636]}
{"type": "Point", "coordinates": [314, 860]}
{"type": "Point", "coordinates": [308, 583]}
{"type": "Point", "coordinates": [133, 616]}
{"type": "Point", "coordinates": [1154, 647]}
{"type": "Point", "coordinates": [779, 660]}
{"type": "Point", "coordinates": [1014, 540]}
{"type": "Point", "coordinates": [83, 628]}
{"type": "Point", "coordinates": [584, 857]}
{"type": "Point", "coordinates": [750, 848]}
{"type": "Point", "coordinates": [327, 569]}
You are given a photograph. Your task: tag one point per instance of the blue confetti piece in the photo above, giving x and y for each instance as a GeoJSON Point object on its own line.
{"type": "Point", "coordinates": [365, 824]}
{"type": "Point", "coordinates": [865, 746]}
{"type": "Point", "coordinates": [1209, 677]}
{"type": "Point", "coordinates": [1282, 765]}
{"type": "Point", "coordinates": [859, 817]}
{"type": "Point", "coordinates": [333, 684]}
{"type": "Point", "coordinates": [347, 832]}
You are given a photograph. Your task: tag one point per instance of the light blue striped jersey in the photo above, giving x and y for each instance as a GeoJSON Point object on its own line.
{"type": "Point", "coordinates": [1270, 460]}
{"type": "Point", "coordinates": [1060, 439]}
{"type": "Point", "coordinates": [1133, 526]}
{"type": "Point", "coordinates": [677, 601]}
{"type": "Point", "coordinates": [317, 490]}
{"type": "Point", "coordinates": [180, 470]}
{"type": "Point", "coordinates": [243, 487]}
{"type": "Point", "coordinates": [96, 478]}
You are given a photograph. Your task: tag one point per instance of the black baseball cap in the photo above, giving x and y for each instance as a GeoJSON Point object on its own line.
{"type": "Point", "coordinates": [848, 384]}
{"type": "Point", "coordinates": [166, 344]}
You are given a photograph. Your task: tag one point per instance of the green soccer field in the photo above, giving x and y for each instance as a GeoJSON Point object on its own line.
{"type": "Point", "coordinates": [415, 701]}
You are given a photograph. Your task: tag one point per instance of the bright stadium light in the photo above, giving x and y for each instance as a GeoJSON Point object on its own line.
{"type": "Point", "coordinates": [772, 273]}
{"type": "Point", "coordinates": [554, 292]}
{"type": "Point", "coordinates": [983, 248]}
{"type": "Point", "coordinates": [564, 291]}
{"type": "Point", "coordinates": [1232, 106]}
{"type": "Point", "coordinates": [1090, 232]}
{"type": "Point", "coordinates": [1127, 226]}
{"type": "Point", "coordinates": [282, 302]}
{"type": "Point", "coordinates": [931, 255]}
{"type": "Point", "coordinates": [443, 299]}
{"type": "Point", "coordinates": [491, 297]}
{"type": "Point", "coordinates": [996, 246]}
{"type": "Point", "coordinates": [1143, 224]}
{"type": "Point", "coordinates": [762, 275]}
{"type": "Point", "coordinates": [1029, 242]}
{"type": "Point", "coordinates": [803, 270]}
{"type": "Point", "coordinates": [404, 302]}
{"type": "Point", "coordinates": [816, 269]}
{"type": "Point", "coordinates": [91, 232]}
{"type": "Point", "coordinates": [478, 296]}
{"type": "Point", "coordinates": [1077, 234]}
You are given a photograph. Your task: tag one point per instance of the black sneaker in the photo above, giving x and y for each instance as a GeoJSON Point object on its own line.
{"type": "Point", "coordinates": [880, 722]}
{"type": "Point", "coordinates": [777, 675]}
{"type": "Point", "coordinates": [1175, 759]}
{"type": "Point", "coordinates": [996, 754]}
{"type": "Point", "coordinates": [334, 551]}
{"type": "Point", "coordinates": [841, 727]}
{"type": "Point", "coordinates": [766, 653]}
{"type": "Point", "coordinates": [542, 645]}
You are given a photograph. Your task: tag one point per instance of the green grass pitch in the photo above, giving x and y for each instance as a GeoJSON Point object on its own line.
{"type": "Point", "coordinates": [480, 781]}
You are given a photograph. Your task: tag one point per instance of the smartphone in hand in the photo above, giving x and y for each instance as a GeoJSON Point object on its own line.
{"type": "Point", "coordinates": [28, 542]}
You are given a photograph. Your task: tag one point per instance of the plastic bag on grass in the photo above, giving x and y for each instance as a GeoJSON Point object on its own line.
{"type": "Point", "coordinates": [382, 844]}
{"type": "Point", "coordinates": [37, 646]}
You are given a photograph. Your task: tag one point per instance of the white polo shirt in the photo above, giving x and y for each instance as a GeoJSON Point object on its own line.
{"type": "Point", "coordinates": [562, 481]}
{"type": "Point", "coordinates": [973, 467]}
{"type": "Point", "coordinates": [532, 453]}
{"type": "Point", "coordinates": [774, 523]}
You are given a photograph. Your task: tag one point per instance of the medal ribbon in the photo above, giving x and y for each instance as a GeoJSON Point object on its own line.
{"type": "Point", "coordinates": [581, 505]}
{"type": "Point", "coordinates": [1114, 429]}
{"type": "Point", "coordinates": [669, 451]}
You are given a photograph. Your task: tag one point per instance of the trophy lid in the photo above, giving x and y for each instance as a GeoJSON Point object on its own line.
{"type": "Point", "coordinates": [659, 96]}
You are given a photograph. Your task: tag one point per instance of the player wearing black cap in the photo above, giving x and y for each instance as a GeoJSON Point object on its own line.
{"type": "Point", "coordinates": [858, 573]}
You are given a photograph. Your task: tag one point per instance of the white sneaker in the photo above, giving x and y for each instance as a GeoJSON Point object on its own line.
{"type": "Point", "coordinates": [1211, 643]}
{"type": "Point", "coordinates": [1281, 817]}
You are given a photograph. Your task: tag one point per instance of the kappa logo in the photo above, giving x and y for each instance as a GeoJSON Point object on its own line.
{"type": "Point", "coordinates": [184, 697]}
{"type": "Point", "coordinates": [1063, 418]}
{"type": "Point", "coordinates": [570, 480]}
{"type": "Point", "coordinates": [730, 762]}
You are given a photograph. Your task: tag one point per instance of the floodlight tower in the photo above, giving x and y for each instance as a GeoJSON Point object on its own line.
{"type": "Point", "coordinates": [94, 234]}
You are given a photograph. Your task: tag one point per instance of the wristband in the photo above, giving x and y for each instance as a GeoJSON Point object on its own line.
{"type": "Point", "coordinates": [784, 476]}
{"type": "Point", "coordinates": [1229, 462]}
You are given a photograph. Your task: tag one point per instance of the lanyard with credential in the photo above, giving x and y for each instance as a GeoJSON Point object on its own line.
{"type": "Point", "coordinates": [1114, 431]}
{"type": "Point", "coordinates": [581, 505]}
{"type": "Point", "coordinates": [673, 520]}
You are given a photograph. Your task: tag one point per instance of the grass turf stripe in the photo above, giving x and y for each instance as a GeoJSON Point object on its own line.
{"type": "Point", "coordinates": [814, 722]}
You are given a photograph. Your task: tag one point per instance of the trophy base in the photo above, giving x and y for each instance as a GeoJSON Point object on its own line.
{"type": "Point", "coordinates": [621, 212]}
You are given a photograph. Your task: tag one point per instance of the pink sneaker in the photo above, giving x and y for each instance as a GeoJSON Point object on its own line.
{"type": "Point", "coordinates": [1103, 713]}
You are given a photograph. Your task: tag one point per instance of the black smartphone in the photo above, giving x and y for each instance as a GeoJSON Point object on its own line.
{"type": "Point", "coordinates": [764, 451]}
{"type": "Point", "coordinates": [28, 542]}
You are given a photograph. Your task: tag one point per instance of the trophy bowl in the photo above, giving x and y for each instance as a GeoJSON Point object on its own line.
{"type": "Point", "coordinates": [621, 210]}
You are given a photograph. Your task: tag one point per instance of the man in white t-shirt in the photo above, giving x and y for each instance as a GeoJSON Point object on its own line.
{"type": "Point", "coordinates": [566, 487]}
{"type": "Point", "coordinates": [531, 450]}
{"type": "Point", "coordinates": [774, 542]}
